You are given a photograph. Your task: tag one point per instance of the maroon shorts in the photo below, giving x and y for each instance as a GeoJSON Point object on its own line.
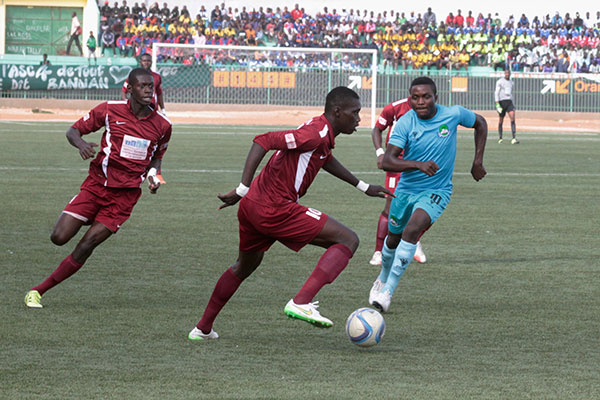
{"type": "Point", "coordinates": [292, 224]}
{"type": "Point", "coordinates": [109, 206]}
{"type": "Point", "coordinates": [391, 180]}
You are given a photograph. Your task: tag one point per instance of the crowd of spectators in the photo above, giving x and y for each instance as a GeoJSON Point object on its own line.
{"type": "Point", "coordinates": [558, 43]}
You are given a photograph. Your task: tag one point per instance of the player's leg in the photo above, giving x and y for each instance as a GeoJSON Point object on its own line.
{"type": "Point", "coordinates": [500, 122]}
{"type": "Point", "coordinates": [341, 243]}
{"type": "Point", "coordinates": [96, 234]}
{"type": "Point", "coordinates": [382, 230]}
{"type": "Point", "coordinates": [225, 288]}
{"type": "Point", "coordinates": [424, 210]}
{"type": "Point", "coordinates": [513, 126]}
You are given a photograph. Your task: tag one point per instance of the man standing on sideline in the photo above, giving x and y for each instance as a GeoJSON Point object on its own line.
{"type": "Point", "coordinates": [504, 105]}
{"type": "Point", "coordinates": [269, 210]}
{"type": "Point", "coordinates": [388, 117]}
{"type": "Point", "coordinates": [157, 96]}
{"type": "Point", "coordinates": [74, 34]}
{"type": "Point", "coordinates": [91, 45]}
{"type": "Point", "coordinates": [427, 137]}
{"type": "Point", "coordinates": [135, 139]}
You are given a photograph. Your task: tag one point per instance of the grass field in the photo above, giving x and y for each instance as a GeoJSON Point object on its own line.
{"type": "Point", "coordinates": [507, 306]}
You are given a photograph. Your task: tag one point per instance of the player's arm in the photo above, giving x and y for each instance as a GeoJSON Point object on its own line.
{"type": "Point", "coordinates": [153, 181]}
{"type": "Point", "coordinates": [391, 162]}
{"type": "Point", "coordinates": [86, 149]}
{"type": "Point", "coordinates": [161, 102]}
{"type": "Point", "coordinates": [377, 142]}
{"type": "Point", "coordinates": [335, 168]}
{"type": "Point", "coordinates": [255, 156]}
{"type": "Point", "coordinates": [478, 170]}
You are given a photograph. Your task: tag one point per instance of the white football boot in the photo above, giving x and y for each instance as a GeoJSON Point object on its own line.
{"type": "Point", "coordinates": [307, 312]}
{"type": "Point", "coordinates": [382, 301]}
{"type": "Point", "coordinates": [377, 286]}
{"type": "Point", "coordinates": [419, 254]}
{"type": "Point", "coordinates": [376, 259]}
{"type": "Point", "coordinates": [197, 334]}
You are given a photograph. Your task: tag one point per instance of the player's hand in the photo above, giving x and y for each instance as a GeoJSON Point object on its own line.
{"type": "Point", "coordinates": [429, 168]}
{"type": "Point", "coordinates": [86, 150]}
{"type": "Point", "coordinates": [228, 199]}
{"type": "Point", "coordinates": [378, 191]}
{"type": "Point", "coordinates": [153, 183]}
{"type": "Point", "coordinates": [478, 171]}
{"type": "Point", "coordinates": [380, 161]}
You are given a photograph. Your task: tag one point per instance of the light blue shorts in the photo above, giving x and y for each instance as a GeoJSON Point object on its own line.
{"type": "Point", "coordinates": [433, 202]}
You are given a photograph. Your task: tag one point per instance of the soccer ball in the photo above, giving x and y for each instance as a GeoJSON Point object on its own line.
{"type": "Point", "coordinates": [365, 327]}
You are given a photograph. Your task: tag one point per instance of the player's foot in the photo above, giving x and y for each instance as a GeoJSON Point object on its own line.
{"type": "Point", "coordinates": [161, 179]}
{"type": "Point", "coordinates": [197, 334]}
{"type": "Point", "coordinates": [376, 259]}
{"type": "Point", "coordinates": [307, 312]}
{"type": "Point", "coordinates": [33, 298]}
{"type": "Point", "coordinates": [377, 286]}
{"type": "Point", "coordinates": [500, 141]}
{"type": "Point", "coordinates": [382, 301]}
{"type": "Point", "coordinates": [514, 141]}
{"type": "Point", "coordinates": [419, 254]}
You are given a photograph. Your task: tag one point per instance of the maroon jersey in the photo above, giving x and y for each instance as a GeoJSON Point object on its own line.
{"type": "Point", "coordinates": [157, 87]}
{"type": "Point", "coordinates": [128, 144]}
{"type": "Point", "coordinates": [390, 114]}
{"type": "Point", "coordinates": [300, 155]}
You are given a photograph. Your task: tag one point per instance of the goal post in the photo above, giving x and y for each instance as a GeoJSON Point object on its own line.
{"type": "Point", "coordinates": [262, 75]}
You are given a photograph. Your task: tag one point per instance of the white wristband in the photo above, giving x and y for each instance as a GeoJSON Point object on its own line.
{"type": "Point", "coordinates": [242, 190]}
{"type": "Point", "coordinates": [379, 152]}
{"type": "Point", "coordinates": [152, 172]}
{"type": "Point", "coordinates": [362, 186]}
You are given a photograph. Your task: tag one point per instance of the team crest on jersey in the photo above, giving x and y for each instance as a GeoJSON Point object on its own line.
{"type": "Point", "coordinates": [444, 131]}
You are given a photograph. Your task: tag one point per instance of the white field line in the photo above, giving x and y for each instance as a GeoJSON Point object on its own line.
{"type": "Point", "coordinates": [230, 171]}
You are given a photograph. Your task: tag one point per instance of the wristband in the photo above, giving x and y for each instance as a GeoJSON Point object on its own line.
{"type": "Point", "coordinates": [152, 172]}
{"type": "Point", "coordinates": [379, 152]}
{"type": "Point", "coordinates": [242, 190]}
{"type": "Point", "coordinates": [362, 186]}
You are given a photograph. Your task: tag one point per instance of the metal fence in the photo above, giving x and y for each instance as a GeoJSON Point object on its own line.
{"type": "Point", "coordinates": [306, 87]}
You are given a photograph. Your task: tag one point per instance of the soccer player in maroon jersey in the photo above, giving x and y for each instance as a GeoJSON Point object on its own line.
{"type": "Point", "coordinates": [157, 97]}
{"type": "Point", "coordinates": [269, 209]}
{"type": "Point", "coordinates": [134, 141]}
{"type": "Point", "coordinates": [388, 117]}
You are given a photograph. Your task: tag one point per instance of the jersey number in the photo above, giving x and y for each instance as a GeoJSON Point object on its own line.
{"type": "Point", "coordinates": [316, 214]}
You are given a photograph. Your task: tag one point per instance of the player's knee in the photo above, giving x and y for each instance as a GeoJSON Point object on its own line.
{"type": "Point", "coordinates": [59, 238]}
{"type": "Point", "coordinates": [351, 240]}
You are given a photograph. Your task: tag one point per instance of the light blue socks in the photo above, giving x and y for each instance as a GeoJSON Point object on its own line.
{"type": "Point", "coordinates": [401, 259]}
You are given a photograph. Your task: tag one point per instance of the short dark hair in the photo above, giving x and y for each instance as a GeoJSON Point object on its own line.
{"type": "Point", "coordinates": [423, 80]}
{"type": "Point", "coordinates": [338, 96]}
{"type": "Point", "coordinates": [145, 55]}
{"type": "Point", "coordinates": [136, 73]}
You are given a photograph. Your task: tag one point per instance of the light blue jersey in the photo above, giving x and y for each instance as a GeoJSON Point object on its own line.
{"type": "Point", "coordinates": [430, 140]}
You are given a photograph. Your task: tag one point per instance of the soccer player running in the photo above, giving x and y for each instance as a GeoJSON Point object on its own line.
{"type": "Point", "coordinates": [427, 136]}
{"type": "Point", "coordinates": [388, 117]}
{"type": "Point", "coordinates": [157, 96]}
{"type": "Point", "coordinates": [134, 141]}
{"type": "Point", "coordinates": [269, 210]}
{"type": "Point", "coordinates": [504, 105]}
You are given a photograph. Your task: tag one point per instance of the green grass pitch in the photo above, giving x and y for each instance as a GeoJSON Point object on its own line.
{"type": "Point", "coordinates": [507, 306]}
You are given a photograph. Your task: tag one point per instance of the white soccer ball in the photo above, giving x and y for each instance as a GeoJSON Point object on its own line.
{"type": "Point", "coordinates": [365, 327]}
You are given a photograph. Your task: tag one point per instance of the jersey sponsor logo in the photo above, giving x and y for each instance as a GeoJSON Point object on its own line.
{"type": "Point", "coordinates": [443, 131]}
{"type": "Point", "coordinates": [134, 148]}
{"type": "Point", "coordinates": [290, 140]}
{"type": "Point", "coordinates": [316, 214]}
{"type": "Point", "coordinates": [86, 117]}
{"type": "Point", "coordinates": [394, 221]}
{"type": "Point", "coordinates": [382, 121]}
{"type": "Point", "coordinates": [323, 157]}
{"type": "Point", "coordinates": [121, 122]}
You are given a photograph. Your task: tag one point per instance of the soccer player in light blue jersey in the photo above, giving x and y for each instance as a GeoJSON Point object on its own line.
{"type": "Point", "coordinates": [427, 135]}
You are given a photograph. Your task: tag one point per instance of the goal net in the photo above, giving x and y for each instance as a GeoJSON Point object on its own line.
{"type": "Point", "coordinates": [250, 75]}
